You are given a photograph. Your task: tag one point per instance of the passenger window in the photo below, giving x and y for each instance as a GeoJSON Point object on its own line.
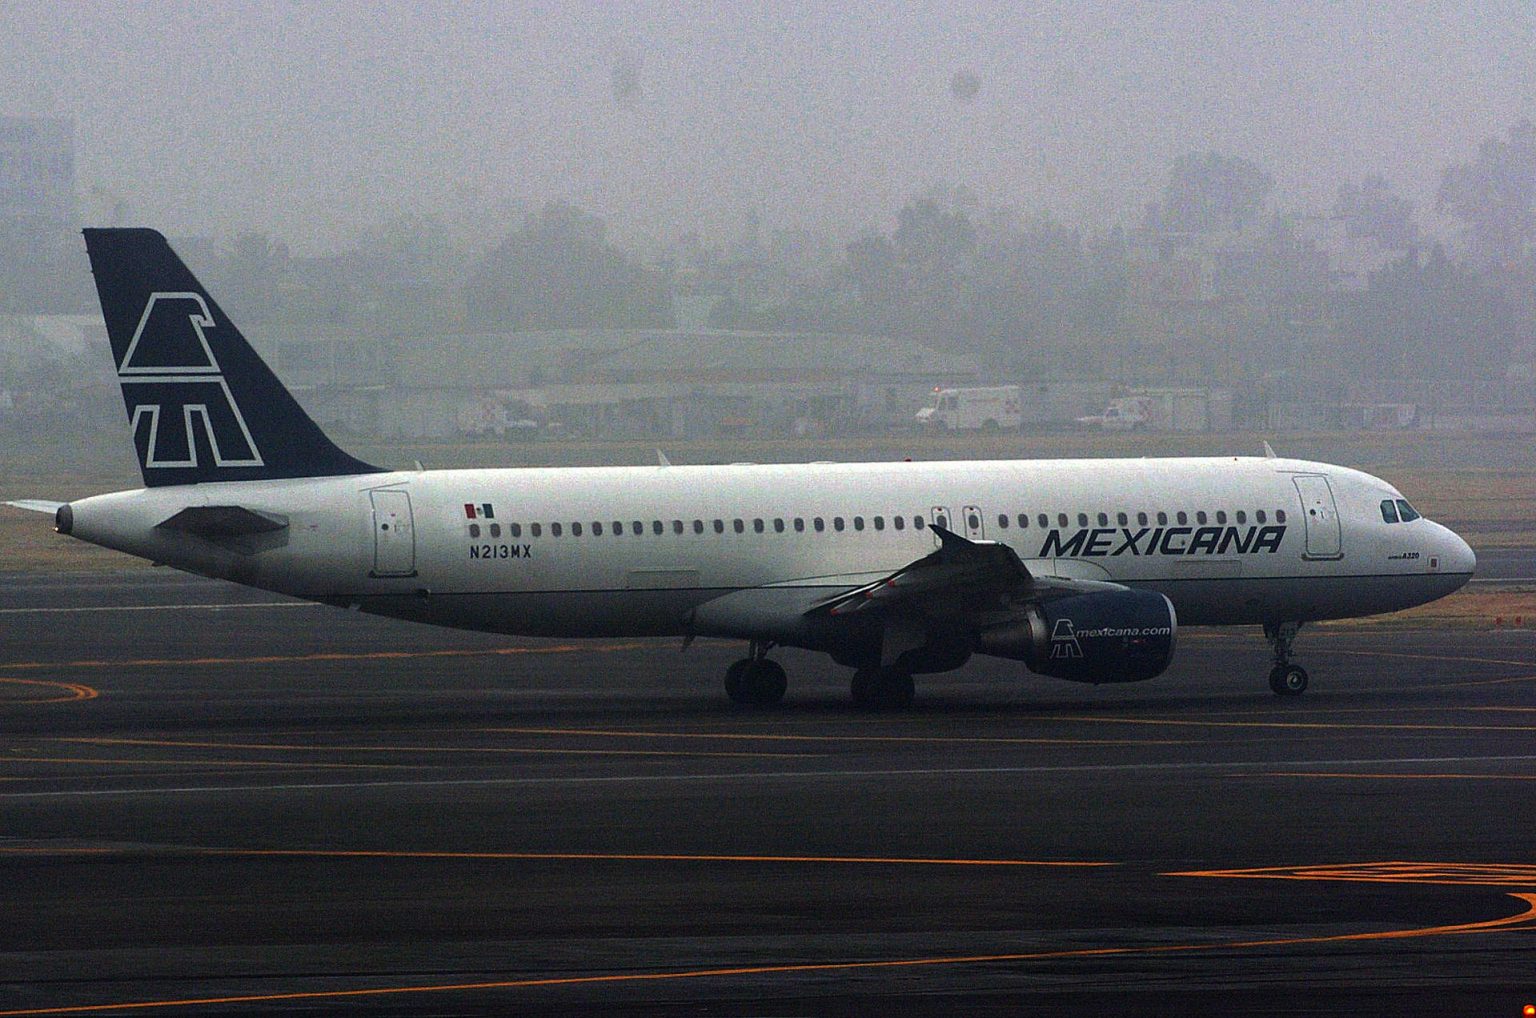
{"type": "Point", "coordinates": [495, 529]}
{"type": "Point", "coordinates": [1043, 520]}
{"type": "Point", "coordinates": [554, 530]}
{"type": "Point", "coordinates": [819, 524]}
{"type": "Point", "coordinates": [1082, 519]}
{"type": "Point", "coordinates": [474, 530]}
{"type": "Point", "coordinates": [637, 527]}
{"type": "Point", "coordinates": [698, 526]}
{"type": "Point", "coordinates": [799, 525]}
{"type": "Point", "coordinates": [1141, 519]}
{"type": "Point", "coordinates": [1121, 519]}
{"type": "Point", "coordinates": [738, 526]}
{"type": "Point", "coordinates": [1279, 515]}
{"type": "Point", "coordinates": [1103, 519]}
{"type": "Point", "coordinates": [535, 529]}
{"type": "Point", "coordinates": [858, 523]}
{"type": "Point", "coordinates": [719, 526]}
{"type": "Point", "coordinates": [1200, 517]}
{"type": "Point", "coordinates": [837, 523]}
{"type": "Point", "coordinates": [1061, 519]}
{"type": "Point", "coordinates": [918, 523]}
{"type": "Point", "coordinates": [941, 521]}
{"type": "Point", "coordinates": [1388, 511]}
{"type": "Point", "coordinates": [515, 529]}
{"type": "Point", "coordinates": [1221, 516]}
{"type": "Point", "coordinates": [1409, 512]}
{"type": "Point", "coordinates": [575, 529]}
{"type": "Point", "coordinates": [1162, 519]}
{"type": "Point", "coordinates": [899, 522]}
{"type": "Point", "coordinates": [1182, 517]}
{"type": "Point", "coordinates": [1023, 521]}
{"type": "Point", "coordinates": [677, 526]}
{"type": "Point", "coordinates": [1259, 517]}
{"type": "Point", "coordinates": [1002, 520]}
{"type": "Point", "coordinates": [658, 529]}
{"type": "Point", "coordinates": [778, 525]}
{"type": "Point", "coordinates": [973, 521]}
{"type": "Point", "coordinates": [757, 526]}
{"type": "Point", "coordinates": [597, 529]}
{"type": "Point", "coordinates": [618, 528]}
{"type": "Point", "coordinates": [879, 522]}
{"type": "Point", "coordinates": [1242, 517]}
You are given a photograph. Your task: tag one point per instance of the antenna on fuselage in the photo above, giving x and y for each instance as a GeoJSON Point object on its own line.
{"type": "Point", "coordinates": [1269, 452]}
{"type": "Point", "coordinates": [661, 459]}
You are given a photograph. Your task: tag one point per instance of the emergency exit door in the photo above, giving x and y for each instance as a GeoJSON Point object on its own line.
{"type": "Point", "coordinates": [394, 538]}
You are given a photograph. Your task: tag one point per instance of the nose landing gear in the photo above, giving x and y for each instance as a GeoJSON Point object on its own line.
{"type": "Point", "coordinates": [755, 680]}
{"type": "Point", "coordinates": [1285, 678]}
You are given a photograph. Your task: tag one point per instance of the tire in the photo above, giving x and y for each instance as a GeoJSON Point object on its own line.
{"type": "Point", "coordinates": [861, 688]}
{"type": "Point", "coordinates": [736, 681]}
{"type": "Point", "coordinates": [1288, 680]}
{"type": "Point", "coordinates": [766, 683]}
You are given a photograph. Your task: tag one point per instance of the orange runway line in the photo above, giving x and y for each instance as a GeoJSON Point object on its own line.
{"type": "Point", "coordinates": [72, 691]}
{"type": "Point", "coordinates": [1518, 920]}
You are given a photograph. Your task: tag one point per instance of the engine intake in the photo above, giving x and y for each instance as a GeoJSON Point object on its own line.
{"type": "Point", "coordinates": [1108, 636]}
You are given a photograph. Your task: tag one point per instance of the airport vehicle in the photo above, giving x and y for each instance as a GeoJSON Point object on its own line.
{"type": "Point", "coordinates": [1080, 569]}
{"type": "Point", "coordinates": [1164, 410]}
{"type": "Point", "coordinates": [988, 408]}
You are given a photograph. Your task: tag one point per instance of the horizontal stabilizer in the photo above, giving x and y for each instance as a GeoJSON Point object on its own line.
{"type": "Point", "coordinates": [36, 505]}
{"type": "Point", "coordinates": [224, 521]}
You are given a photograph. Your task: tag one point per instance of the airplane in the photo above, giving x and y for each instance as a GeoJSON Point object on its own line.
{"type": "Point", "coordinates": [1079, 569]}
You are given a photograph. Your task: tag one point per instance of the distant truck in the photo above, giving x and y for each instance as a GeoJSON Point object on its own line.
{"type": "Point", "coordinates": [988, 408]}
{"type": "Point", "coordinates": [1165, 410]}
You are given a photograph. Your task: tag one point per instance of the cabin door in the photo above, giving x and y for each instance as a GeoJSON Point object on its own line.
{"type": "Point", "coordinates": [394, 537]}
{"type": "Point", "coordinates": [1320, 516]}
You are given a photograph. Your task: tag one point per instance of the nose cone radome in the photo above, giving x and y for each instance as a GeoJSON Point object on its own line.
{"type": "Point", "coordinates": [1459, 556]}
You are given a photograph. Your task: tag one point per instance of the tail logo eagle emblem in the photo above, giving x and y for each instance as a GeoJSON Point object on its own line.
{"type": "Point", "coordinates": [176, 390]}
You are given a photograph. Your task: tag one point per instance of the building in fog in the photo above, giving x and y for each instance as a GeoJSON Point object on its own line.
{"type": "Point", "coordinates": [37, 210]}
{"type": "Point", "coordinates": [615, 383]}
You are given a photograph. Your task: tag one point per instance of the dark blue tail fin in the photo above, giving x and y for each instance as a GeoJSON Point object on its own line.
{"type": "Point", "coordinates": [201, 403]}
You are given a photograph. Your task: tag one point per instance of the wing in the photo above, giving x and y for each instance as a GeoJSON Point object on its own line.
{"type": "Point", "coordinates": [962, 585]}
{"type": "Point", "coordinates": [961, 578]}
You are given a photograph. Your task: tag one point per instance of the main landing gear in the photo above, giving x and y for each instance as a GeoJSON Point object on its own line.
{"type": "Point", "coordinates": [1285, 679]}
{"type": "Point", "coordinates": [756, 680]}
{"type": "Point", "coordinates": [882, 688]}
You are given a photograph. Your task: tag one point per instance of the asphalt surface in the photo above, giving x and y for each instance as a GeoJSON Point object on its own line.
{"type": "Point", "coordinates": [213, 803]}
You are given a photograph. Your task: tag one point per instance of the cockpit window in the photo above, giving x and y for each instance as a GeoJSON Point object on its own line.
{"type": "Point", "coordinates": [1388, 511]}
{"type": "Point", "coordinates": [1407, 511]}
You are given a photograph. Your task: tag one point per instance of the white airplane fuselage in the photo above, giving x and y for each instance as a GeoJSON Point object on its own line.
{"type": "Point", "coordinates": [632, 550]}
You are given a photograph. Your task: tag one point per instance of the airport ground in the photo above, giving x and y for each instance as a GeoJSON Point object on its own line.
{"type": "Point", "coordinates": [216, 801]}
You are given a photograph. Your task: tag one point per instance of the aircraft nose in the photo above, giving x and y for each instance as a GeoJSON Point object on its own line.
{"type": "Point", "coordinates": [1458, 556]}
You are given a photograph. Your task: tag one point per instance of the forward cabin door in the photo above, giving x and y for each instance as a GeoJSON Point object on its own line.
{"type": "Point", "coordinates": [394, 537]}
{"type": "Point", "coordinates": [1320, 515]}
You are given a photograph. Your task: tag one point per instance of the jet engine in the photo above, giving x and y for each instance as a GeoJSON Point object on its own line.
{"type": "Point", "coordinates": [1105, 636]}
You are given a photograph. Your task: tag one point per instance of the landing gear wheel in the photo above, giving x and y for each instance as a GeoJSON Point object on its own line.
{"type": "Point", "coordinates": [861, 689]}
{"type": "Point", "coordinates": [735, 680]}
{"type": "Point", "coordinates": [755, 681]}
{"type": "Point", "coordinates": [883, 688]}
{"type": "Point", "coordinates": [1288, 680]}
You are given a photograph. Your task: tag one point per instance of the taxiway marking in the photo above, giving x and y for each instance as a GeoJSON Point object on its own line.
{"type": "Point", "coordinates": [1520, 920]}
{"type": "Point", "coordinates": [72, 691]}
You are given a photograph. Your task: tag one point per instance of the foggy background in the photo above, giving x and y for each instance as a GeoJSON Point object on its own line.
{"type": "Point", "coordinates": [781, 220]}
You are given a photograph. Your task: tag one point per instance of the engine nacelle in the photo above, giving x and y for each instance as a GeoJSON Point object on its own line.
{"type": "Point", "coordinates": [1107, 636]}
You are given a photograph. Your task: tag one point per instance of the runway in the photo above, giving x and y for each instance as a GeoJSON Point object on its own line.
{"type": "Point", "coordinates": [215, 801]}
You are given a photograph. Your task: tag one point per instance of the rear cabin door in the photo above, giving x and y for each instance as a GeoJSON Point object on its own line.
{"type": "Point", "coordinates": [394, 537]}
{"type": "Point", "coordinates": [1320, 515]}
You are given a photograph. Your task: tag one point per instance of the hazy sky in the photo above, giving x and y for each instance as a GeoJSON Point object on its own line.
{"type": "Point", "coordinates": [308, 119]}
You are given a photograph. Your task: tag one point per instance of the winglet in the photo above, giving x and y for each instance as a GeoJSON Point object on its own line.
{"type": "Point", "coordinates": [1269, 452]}
{"type": "Point", "coordinates": [661, 459]}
